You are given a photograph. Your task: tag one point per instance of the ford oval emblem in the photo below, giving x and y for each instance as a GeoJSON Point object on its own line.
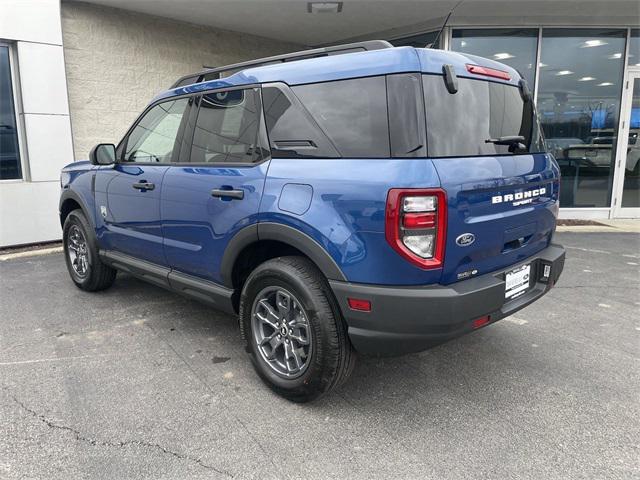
{"type": "Point", "coordinates": [465, 239]}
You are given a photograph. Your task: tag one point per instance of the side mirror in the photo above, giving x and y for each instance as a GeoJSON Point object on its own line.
{"type": "Point", "coordinates": [103, 154]}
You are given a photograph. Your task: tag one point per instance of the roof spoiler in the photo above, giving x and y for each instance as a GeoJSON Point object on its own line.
{"type": "Point", "coordinates": [214, 72]}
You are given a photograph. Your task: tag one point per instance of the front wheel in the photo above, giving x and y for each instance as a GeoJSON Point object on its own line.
{"type": "Point", "coordinates": [293, 330]}
{"type": "Point", "coordinates": [81, 254]}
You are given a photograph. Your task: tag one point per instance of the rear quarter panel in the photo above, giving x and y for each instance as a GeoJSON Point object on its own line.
{"type": "Point", "coordinates": [346, 211]}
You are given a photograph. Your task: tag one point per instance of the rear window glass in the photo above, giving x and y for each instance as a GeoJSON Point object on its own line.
{"type": "Point", "coordinates": [459, 124]}
{"type": "Point", "coordinates": [353, 114]}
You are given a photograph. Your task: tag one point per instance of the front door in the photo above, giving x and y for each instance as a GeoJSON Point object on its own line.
{"type": "Point", "coordinates": [627, 190]}
{"type": "Point", "coordinates": [128, 195]}
{"type": "Point", "coordinates": [217, 189]}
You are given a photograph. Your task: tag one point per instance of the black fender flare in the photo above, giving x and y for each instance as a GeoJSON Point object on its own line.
{"type": "Point", "coordinates": [239, 242]}
{"type": "Point", "coordinates": [72, 195]}
{"type": "Point", "coordinates": [282, 233]}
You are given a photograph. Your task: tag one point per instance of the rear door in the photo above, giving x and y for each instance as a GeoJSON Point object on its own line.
{"type": "Point", "coordinates": [216, 189]}
{"type": "Point", "coordinates": [502, 199]}
{"type": "Point", "coordinates": [128, 195]}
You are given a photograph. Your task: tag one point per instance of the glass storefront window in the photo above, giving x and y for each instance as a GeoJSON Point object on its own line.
{"type": "Point", "coordinates": [421, 40]}
{"type": "Point", "coordinates": [578, 105]}
{"type": "Point", "coordinates": [634, 48]}
{"type": "Point", "coordinates": [9, 152]}
{"type": "Point", "coordinates": [515, 47]}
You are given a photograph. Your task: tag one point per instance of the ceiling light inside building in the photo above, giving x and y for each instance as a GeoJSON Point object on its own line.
{"type": "Point", "coordinates": [586, 79]}
{"type": "Point", "coordinates": [564, 72]}
{"type": "Point", "coordinates": [614, 56]}
{"type": "Point", "coordinates": [605, 84]}
{"type": "Point", "coordinates": [324, 7]}
{"type": "Point", "coordinates": [463, 43]}
{"type": "Point", "coordinates": [542, 65]}
{"type": "Point", "coordinates": [593, 43]}
{"type": "Point", "coordinates": [503, 56]}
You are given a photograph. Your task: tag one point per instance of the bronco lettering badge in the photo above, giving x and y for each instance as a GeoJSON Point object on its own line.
{"type": "Point", "coordinates": [519, 198]}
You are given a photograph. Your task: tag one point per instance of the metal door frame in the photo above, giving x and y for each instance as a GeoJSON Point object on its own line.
{"type": "Point", "coordinates": [631, 74]}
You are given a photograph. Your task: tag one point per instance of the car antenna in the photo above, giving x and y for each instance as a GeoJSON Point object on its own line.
{"type": "Point", "coordinates": [446, 20]}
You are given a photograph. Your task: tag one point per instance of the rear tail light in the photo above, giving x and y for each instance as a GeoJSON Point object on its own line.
{"type": "Point", "coordinates": [419, 220]}
{"type": "Point", "coordinates": [488, 72]}
{"type": "Point", "coordinates": [415, 227]}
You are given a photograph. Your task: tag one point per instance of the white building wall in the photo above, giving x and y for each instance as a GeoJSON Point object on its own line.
{"type": "Point", "coordinates": [112, 64]}
{"type": "Point", "coordinates": [29, 207]}
{"type": "Point", "coordinates": [118, 60]}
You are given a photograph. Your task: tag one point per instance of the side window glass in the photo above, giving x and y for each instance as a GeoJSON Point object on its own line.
{"type": "Point", "coordinates": [407, 131]}
{"type": "Point", "coordinates": [292, 133]}
{"type": "Point", "coordinates": [153, 139]}
{"type": "Point", "coordinates": [353, 113]}
{"type": "Point", "coordinates": [226, 130]}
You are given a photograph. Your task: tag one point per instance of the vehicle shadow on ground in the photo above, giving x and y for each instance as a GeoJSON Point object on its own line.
{"type": "Point", "coordinates": [408, 377]}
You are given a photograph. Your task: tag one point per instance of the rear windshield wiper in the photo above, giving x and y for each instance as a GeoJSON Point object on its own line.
{"type": "Point", "coordinates": [515, 142]}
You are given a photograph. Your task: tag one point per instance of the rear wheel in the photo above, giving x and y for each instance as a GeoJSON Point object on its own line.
{"type": "Point", "coordinates": [293, 331]}
{"type": "Point", "coordinates": [81, 254]}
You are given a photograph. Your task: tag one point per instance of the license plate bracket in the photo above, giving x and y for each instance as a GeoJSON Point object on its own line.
{"type": "Point", "coordinates": [517, 281]}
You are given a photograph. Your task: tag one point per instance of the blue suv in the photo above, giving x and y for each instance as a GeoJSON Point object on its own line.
{"type": "Point", "coordinates": [355, 198]}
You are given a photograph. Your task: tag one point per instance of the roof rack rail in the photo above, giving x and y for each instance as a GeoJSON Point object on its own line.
{"type": "Point", "coordinates": [214, 72]}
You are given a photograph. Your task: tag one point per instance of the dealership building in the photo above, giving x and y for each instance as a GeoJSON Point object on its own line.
{"type": "Point", "coordinates": [74, 74]}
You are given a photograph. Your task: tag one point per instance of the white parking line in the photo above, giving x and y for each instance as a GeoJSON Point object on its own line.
{"type": "Point", "coordinates": [57, 359]}
{"type": "Point", "coordinates": [590, 250]}
{"type": "Point", "coordinates": [516, 320]}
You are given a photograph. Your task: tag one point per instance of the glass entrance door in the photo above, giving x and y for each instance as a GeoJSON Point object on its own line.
{"type": "Point", "coordinates": [627, 198]}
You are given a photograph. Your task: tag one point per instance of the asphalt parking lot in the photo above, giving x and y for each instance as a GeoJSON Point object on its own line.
{"type": "Point", "coordinates": [136, 382]}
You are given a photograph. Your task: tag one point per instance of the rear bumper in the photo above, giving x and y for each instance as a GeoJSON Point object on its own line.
{"type": "Point", "coordinates": [410, 319]}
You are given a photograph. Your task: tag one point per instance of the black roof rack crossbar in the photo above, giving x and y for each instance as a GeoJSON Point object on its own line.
{"type": "Point", "coordinates": [213, 73]}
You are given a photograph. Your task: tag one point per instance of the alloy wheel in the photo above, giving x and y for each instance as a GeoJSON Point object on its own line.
{"type": "Point", "coordinates": [78, 251]}
{"type": "Point", "coordinates": [281, 331]}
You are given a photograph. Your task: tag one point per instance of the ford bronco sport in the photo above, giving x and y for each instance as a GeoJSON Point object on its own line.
{"type": "Point", "coordinates": [356, 198]}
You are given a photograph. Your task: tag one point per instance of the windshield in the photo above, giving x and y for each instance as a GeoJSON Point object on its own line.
{"type": "Point", "coordinates": [481, 118]}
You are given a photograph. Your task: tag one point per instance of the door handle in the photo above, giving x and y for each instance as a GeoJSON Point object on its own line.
{"type": "Point", "coordinates": [143, 186]}
{"type": "Point", "coordinates": [230, 194]}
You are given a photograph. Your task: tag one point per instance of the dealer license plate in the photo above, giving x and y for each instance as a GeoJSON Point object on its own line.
{"type": "Point", "coordinates": [517, 282]}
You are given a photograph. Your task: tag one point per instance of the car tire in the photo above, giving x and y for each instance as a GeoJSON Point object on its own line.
{"type": "Point", "coordinates": [81, 255]}
{"type": "Point", "coordinates": [302, 308]}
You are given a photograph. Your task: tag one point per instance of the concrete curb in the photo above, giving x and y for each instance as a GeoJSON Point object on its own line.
{"type": "Point", "coordinates": [30, 253]}
{"type": "Point", "coordinates": [587, 229]}
{"type": "Point", "coordinates": [608, 226]}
